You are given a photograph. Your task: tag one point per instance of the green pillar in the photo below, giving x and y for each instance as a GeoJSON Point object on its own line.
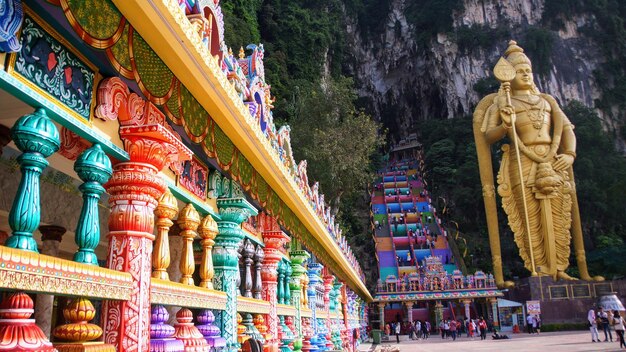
{"type": "Point", "coordinates": [438, 313]}
{"type": "Point", "coordinates": [94, 168]}
{"type": "Point", "coordinates": [38, 138]}
{"type": "Point", "coordinates": [233, 211]}
{"type": "Point", "coordinates": [298, 256]}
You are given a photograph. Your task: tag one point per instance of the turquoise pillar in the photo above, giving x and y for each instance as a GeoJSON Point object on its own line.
{"type": "Point", "coordinates": [286, 290]}
{"type": "Point", "coordinates": [38, 138]}
{"type": "Point", "coordinates": [233, 211]}
{"type": "Point", "coordinates": [280, 290]}
{"type": "Point", "coordinates": [94, 168]}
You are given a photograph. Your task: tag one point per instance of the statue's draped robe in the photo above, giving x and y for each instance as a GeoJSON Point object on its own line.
{"type": "Point", "coordinates": [510, 188]}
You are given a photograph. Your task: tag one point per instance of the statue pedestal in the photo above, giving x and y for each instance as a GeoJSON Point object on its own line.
{"type": "Point", "coordinates": [564, 301]}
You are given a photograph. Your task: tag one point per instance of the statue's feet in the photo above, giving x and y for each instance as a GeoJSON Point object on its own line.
{"type": "Point", "coordinates": [505, 284]}
{"type": "Point", "coordinates": [585, 276]}
{"type": "Point", "coordinates": [561, 275]}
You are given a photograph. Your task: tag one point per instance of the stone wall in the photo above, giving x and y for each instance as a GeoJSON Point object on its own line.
{"type": "Point", "coordinates": [564, 301]}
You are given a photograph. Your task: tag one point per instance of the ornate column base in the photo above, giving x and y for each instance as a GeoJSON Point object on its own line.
{"type": "Point", "coordinates": [186, 332]}
{"type": "Point", "coordinates": [17, 331]}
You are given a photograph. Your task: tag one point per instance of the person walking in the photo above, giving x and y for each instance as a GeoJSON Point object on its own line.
{"type": "Point", "coordinates": [529, 324]}
{"type": "Point", "coordinates": [453, 329]}
{"type": "Point", "coordinates": [441, 329]}
{"type": "Point", "coordinates": [482, 326]}
{"type": "Point", "coordinates": [418, 329]}
{"type": "Point", "coordinates": [397, 332]}
{"type": "Point", "coordinates": [604, 318]}
{"type": "Point", "coordinates": [427, 329]}
{"type": "Point", "coordinates": [472, 328]}
{"type": "Point", "coordinates": [618, 324]}
{"type": "Point", "coordinates": [593, 326]}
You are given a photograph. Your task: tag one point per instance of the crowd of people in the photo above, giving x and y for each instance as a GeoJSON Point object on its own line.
{"type": "Point", "coordinates": [606, 321]}
{"type": "Point", "coordinates": [447, 329]}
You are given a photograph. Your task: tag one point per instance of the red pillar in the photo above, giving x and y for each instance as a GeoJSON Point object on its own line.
{"type": "Point", "coordinates": [328, 286]}
{"type": "Point", "coordinates": [274, 239]}
{"type": "Point", "coordinates": [134, 190]}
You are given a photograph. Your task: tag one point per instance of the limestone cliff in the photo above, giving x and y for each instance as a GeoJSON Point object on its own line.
{"type": "Point", "coordinates": [404, 82]}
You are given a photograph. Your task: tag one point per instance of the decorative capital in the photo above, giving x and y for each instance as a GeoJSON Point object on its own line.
{"type": "Point", "coordinates": [188, 218]}
{"type": "Point", "coordinates": [147, 136]}
{"type": "Point", "coordinates": [235, 210]}
{"type": "Point", "coordinates": [36, 133]}
{"type": "Point", "coordinates": [208, 228]}
{"type": "Point", "coordinates": [168, 206]}
{"type": "Point", "coordinates": [93, 165]}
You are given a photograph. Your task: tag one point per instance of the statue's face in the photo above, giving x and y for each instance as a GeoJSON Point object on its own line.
{"type": "Point", "coordinates": [523, 77]}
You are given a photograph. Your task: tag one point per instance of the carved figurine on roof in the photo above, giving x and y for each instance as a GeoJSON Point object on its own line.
{"type": "Point", "coordinates": [286, 155]}
{"type": "Point", "coordinates": [208, 20]}
{"type": "Point", "coordinates": [235, 75]}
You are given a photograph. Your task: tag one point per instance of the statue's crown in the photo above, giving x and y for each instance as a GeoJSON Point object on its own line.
{"type": "Point", "coordinates": [515, 54]}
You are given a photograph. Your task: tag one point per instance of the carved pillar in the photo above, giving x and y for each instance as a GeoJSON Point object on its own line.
{"type": "Point", "coordinates": [259, 256]}
{"type": "Point", "coordinates": [286, 279]}
{"type": "Point", "coordinates": [241, 266]}
{"type": "Point", "coordinates": [176, 255]}
{"type": "Point", "coordinates": [280, 294]}
{"type": "Point", "coordinates": [188, 221]}
{"type": "Point", "coordinates": [438, 312]}
{"type": "Point", "coordinates": [94, 169]}
{"type": "Point", "coordinates": [134, 190]}
{"type": "Point", "coordinates": [247, 253]}
{"type": "Point", "coordinates": [494, 312]}
{"type": "Point", "coordinates": [51, 237]}
{"type": "Point", "coordinates": [314, 280]}
{"type": "Point", "coordinates": [208, 231]}
{"type": "Point", "coordinates": [409, 311]}
{"type": "Point", "coordinates": [298, 256]}
{"type": "Point", "coordinates": [466, 305]}
{"type": "Point", "coordinates": [304, 296]}
{"type": "Point", "coordinates": [165, 212]}
{"type": "Point", "coordinates": [274, 239]}
{"type": "Point", "coordinates": [233, 212]}
{"type": "Point", "coordinates": [329, 304]}
{"type": "Point", "coordinates": [38, 138]}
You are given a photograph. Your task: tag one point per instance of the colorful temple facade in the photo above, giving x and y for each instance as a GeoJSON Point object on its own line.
{"type": "Point", "coordinates": [147, 200]}
{"type": "Point", "coordinates": [420, 276]}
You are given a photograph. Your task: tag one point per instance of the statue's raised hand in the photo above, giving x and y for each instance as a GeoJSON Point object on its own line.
{"type": "Point", "coordinates": [507, 114]}
{"type": "Point", "coordinates": [563, 161]}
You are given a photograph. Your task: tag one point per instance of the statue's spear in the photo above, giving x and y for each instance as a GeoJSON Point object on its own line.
{"type": "Point", "coordinates": [505, 73]}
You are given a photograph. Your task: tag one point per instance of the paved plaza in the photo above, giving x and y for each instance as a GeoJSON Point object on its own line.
{"type": "Point", "coordinates": [570, 341]}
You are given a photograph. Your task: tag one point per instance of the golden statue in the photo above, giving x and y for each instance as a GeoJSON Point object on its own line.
{"type": "Point", "coordinates": [535, 180]}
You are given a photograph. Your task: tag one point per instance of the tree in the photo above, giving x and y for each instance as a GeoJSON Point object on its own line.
{"type": "Point", "coordinates": [337, 140]}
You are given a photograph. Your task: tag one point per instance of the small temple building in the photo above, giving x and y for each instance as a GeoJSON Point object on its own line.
{"type": "Point", "coordinates": [148, 202]}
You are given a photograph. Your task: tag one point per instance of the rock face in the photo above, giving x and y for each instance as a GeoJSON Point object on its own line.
{"type": "Point", "coordinates": [404, 82]}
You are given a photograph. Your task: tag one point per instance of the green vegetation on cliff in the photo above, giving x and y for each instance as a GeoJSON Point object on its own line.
{"type": "Point", "coordinates": [304, 50]}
